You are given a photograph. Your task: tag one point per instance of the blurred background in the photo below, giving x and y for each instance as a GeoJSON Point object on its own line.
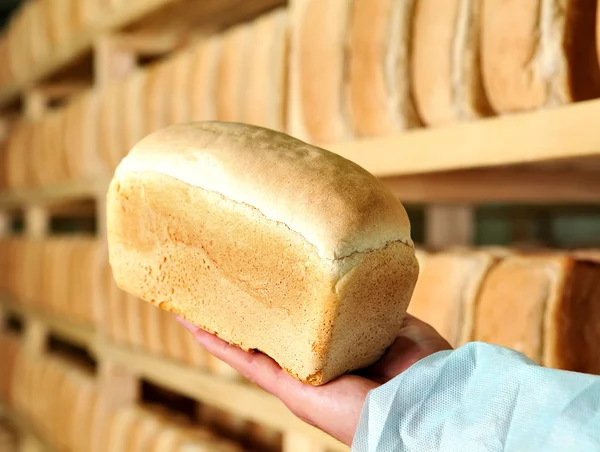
{"type": "Point", "coordinates": [477, 117]}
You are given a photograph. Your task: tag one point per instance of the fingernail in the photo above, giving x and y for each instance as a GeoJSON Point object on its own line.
{"type": "Point", "coordinates": [189, 326]}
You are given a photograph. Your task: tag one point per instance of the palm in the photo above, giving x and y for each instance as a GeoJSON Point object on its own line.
{"type": "Point", "coordinates": [336, 406]}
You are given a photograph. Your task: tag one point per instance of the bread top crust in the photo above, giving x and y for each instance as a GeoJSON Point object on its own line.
{"type": "Point", "coordinates": [336, 205]}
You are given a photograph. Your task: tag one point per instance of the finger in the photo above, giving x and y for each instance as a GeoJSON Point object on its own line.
{"type": "Point", "coordinates": [334, 407]}
{"type": "Point", "coordinates": [422, 333]}
{"type": "Point", "coordinates": [257, 367]}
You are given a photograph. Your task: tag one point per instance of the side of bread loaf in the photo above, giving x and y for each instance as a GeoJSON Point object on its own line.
{"type": "Point", "coordinates": [445, 63]}
{"type": "Point", "coordinates": [447, 291]}
{"type": "Point", "coordinates": [379, 46]}
{"type": "Point", "coordinates": [268, 242]}
{"type": "Point", "coordinates": [232, 70]}
{"type": "Point", "coordinates": [265, 82]}
{"type": "Point", "coordinates": [550, 303]}
{"type": "Point", "coordinates": [204, 74]}
{"type": "Point", "coordinates": [539, 53]}
{"type": "Point", "coordinates": [319, 111]}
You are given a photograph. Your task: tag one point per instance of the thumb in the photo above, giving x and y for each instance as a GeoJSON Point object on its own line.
{"type": "Point", "coordinates": [416, 341]}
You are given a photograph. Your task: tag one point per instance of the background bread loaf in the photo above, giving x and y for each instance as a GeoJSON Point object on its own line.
{"type": "Point", "coordinates": [445, 61]}
{"type": "Point", "coordinates": [379, 47]}
{"type": "Point", "coordinates": [538, 53]}
{"type": "Point", "coordinates": [319, 108]}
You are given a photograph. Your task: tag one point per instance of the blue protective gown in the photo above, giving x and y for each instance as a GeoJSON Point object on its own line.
{"type": "Point", "coordinates": [482, 398]}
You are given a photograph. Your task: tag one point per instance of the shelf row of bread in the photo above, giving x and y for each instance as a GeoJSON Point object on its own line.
{"type": "Point", "coordinates": [63, 402]}
{"type": "Point", "coordinates": [41, 31]}
{"type": "Point", "coordinates": [69, 277]}
{"type": "Point", "coordinates": [545, 304]}
{"type": "Point", "coordinates": [208, 80]}
{"type": "Point", "coordinates": [362, 68]}
{"type": "Point", "coordinates": [61, 276]}
{"type": "Point", "coordinates": [323, 72]}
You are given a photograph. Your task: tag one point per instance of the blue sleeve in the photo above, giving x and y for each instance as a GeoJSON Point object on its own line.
{"type": "Point", "coordinates": [482, 398]}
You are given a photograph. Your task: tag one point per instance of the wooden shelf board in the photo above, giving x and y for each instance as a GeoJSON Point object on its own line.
{"type": "Point", "coordinates": [481, 185]}
{"type": "Point", "coordinates": [243, 400]}
{"type": "Point", "coordinates": [59, 194]}
{"type": "Point", "coordinates": [498, 185]}
{"type": "Point", "coordinates": [78, 334]}
{"type": "Point", "coordinates": [563, 133]}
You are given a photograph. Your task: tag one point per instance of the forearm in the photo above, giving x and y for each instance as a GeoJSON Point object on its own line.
{"type": "Point", "coordinates": [482, 398]}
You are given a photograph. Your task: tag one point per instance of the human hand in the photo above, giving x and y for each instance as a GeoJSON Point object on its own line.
{"type": "Point", "coordinates": [336, 406]}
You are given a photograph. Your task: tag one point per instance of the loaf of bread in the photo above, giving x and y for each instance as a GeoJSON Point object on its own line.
{"type": "Point", "coordinates": [135, 90]}
{"type": "Point", "coordinates": [19, 174]}
{"type": "Point", "coordinates": [379, 71]}
{"type": "Point", "coordinates": [266, 241]}
{"type": "Point", "coordinates": [116, 314]}
{"type": "Point", "coordinates": [265, 80]}
{"type": "Point", "coordinates": [123, 423]}
{"type": "Point", "coordinates": [145, 435]}
{"type": "Point", "coordinates": [83, 408]}
{"type": "Point", "coordinates": [37, 169]}
{"type": "Point", "coordinates": [10, 347]}
{"type": "Point", "coordinates": [82, 148]}
{"type": "Point", "coordinates": [155, 335]}
{"type": "Point", "coordinates": [111, 127]}
{"type": "Point", "coordinates": [204, 72]}
{"type": "Point", "coordinates": [318, 105]}
{"type": "Point", "coordinates": [232, 72]}
{"type": "Point", "coordinates": [445, 65]}
{"type": "Point", "coordinates": [545, 307]}
{"type": "Point", "coordinates": [539, 53]}
{"type": "Point", "coordinates": [181, 82]}
{"type": "Point", "coordinates": [134, 327]}
{"type": "Point", "coordinates": [86, 292]}
{"type": "Point", "coordinates": [447, 290]}
{"type": "Point", "coordinates": [155, 104]}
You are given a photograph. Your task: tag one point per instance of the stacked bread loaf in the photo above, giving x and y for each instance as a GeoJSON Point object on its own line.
{"type": "Point", "coordinates": [350, 69]}
{"type": "Point", "coordinates": [357, 68]}
{"type": "Point", "coordinates": [8, 437]}
{"type": "Point", "coordinates": [59, 147]}
{"type": "Point", "coordinates": [6, 73]}
{"type": "Point", "coordinates": [539, 53]}
{"type": "Point", "coordinates": [42, 30]}
{"type": "Point", "coordinates": [61, 275]}
{"type": "Point", "coordinates": [90, 135]}
{"type": "Point", "coordinates": [129, 321]}
{"type": "Point", "coordinates": [59, 398]}
{"type": "Point", "coordinates": [140, 429]}
{"type": "Point", "coordinates": [70, 277]}
{"type": "Point", "coordinates": [346, 81]}
{"type": "Point", "coordinates": [10, 347]}
{"type": "Point", "coordinates": [546, 305]}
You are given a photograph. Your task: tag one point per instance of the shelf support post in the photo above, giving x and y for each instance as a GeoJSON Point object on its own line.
{"type": "Point", "coordinates": [449, 225]}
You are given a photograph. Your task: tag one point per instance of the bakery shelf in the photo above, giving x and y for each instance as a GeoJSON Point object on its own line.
{"type": "Point", "coordinates": [212, 13]}
{"type": "Point", "coordinates": [81, 335]}
{"type": "Point", "coordinates": [544, 156]}
{"type": "Point", "coordinates": [57, 194]}
{"type": "Point", "coordinates": [564, 133]}
{"type": "Point", "coordinates": [241, 399]}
